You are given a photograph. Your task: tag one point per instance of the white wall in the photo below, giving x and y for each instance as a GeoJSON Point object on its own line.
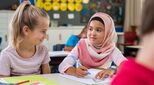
{"type": "Point", "coordinates": [59, 35]}
{"type": "Point", "coordinates": [56, 35]}
{"type": "Point", "coordinates": [5, 17]}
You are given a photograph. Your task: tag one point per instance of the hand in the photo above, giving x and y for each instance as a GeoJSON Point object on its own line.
{"type": "Point", "coordinates": [81, 71]}
{"type": "Point", "coordinates": [104, 74]}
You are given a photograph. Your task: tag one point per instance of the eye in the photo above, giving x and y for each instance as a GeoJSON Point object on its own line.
{"type": "Point", "coordinates": [44, 32]}
{"type": "Point", "coordinates": [99, 30]}
{"type": "Point", "coordinates": [90, 28]}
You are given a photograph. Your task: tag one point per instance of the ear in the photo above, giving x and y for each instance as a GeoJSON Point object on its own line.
{"type": "Point", "coordinates": [25, 30]}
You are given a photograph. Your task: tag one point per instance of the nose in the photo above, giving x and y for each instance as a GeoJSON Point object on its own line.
{"type": "Point", "coordinates": [93, 32]}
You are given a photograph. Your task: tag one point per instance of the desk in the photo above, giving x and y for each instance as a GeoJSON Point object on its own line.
{"type": "Point", "coordinates": [64, 81]}
{"type": "Point", "coordinates": [134, 47]}
{"type": "Point", "coordinates": [56, 58]}
{"type": "Point", "coordinates": [132, 50]}
{"type": "Point", "coordinates": [58, 53]}
{"type": "Point", "coordinates": [61, 80]}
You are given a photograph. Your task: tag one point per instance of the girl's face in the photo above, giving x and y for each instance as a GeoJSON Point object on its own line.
{"type": "Point", "coordinates": [37, 35]}
{"type": "Point", "coordinates": [96, 32]}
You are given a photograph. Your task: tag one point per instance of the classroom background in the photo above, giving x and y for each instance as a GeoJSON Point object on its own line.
{"type": "Point", "coordinates": [70, 16]}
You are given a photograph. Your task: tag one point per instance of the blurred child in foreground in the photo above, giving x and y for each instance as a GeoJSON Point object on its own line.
{"type": "Point", "coordinates": [141, 69]}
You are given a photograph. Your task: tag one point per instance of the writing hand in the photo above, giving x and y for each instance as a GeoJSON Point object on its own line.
{"type": "Point", "coordinates": [81, 71]}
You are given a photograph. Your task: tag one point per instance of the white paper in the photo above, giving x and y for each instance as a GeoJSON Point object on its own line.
{"type": "Point", "coordinates": [2, 80]}
{"type": "Point", "coordinates": [56, 16]}
{"type": "Point", "coordinates": [92, 73]}
{"type": "Point", "coordinates": [89, 79]}
{"type": "Point", "coordinates": [70, 16]}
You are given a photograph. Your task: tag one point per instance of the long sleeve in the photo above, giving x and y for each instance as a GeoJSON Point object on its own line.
{"type": "Point", "coordinates": [69, 61]}
{"type": "Point", "coordinates": [118, 57]}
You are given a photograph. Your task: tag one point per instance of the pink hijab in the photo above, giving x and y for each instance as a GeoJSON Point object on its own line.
{"type": "Point", "coordinates": [88, 55]}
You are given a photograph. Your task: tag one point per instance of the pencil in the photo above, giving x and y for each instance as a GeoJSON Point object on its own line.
{"type": "Point", "coordinates": [25, 81]}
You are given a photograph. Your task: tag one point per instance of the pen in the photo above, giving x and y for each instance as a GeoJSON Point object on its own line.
{"type": "Point", "coordinates": [25, 81]}
{"type": "Point", "coordinates": [78, 63]}
{"type": "Point", "coordinates": [88, 72]}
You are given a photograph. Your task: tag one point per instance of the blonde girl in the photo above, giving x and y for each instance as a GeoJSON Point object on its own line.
{"type": "Point", "coordinates": [25, 55]}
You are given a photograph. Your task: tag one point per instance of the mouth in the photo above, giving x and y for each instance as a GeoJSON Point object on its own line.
{"type": "Point", "coordinates": [92, 38]}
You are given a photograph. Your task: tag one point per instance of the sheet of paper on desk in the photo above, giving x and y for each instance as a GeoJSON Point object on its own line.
{"type": "Point", "coordinates": [2, 80]}
{"type": "Point", "coordinates": [89, 79]}
{"type": "Point", "coordinates": [33, 80]}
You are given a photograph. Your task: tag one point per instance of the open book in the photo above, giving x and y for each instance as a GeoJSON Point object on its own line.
{"type": "Point", "coordinates": [89, 79]}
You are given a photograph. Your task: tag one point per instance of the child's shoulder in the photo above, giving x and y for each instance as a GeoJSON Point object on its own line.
{"type": "Point", "coordinates": [8, 49]}
{"type": "Point", "coordinates": [42, 47]}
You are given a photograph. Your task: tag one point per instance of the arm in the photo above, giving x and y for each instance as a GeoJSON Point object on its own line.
{"type": "Point", "coordinates": [45, 68]}
{"type": "Point", "coordinates": [67, 65]}
{"type": "Point", "coordinates": [69, 61]}
{"type": "Point", "coordinates": [4, 65]}
{"type": "Point", "coordinates": [118, 58]}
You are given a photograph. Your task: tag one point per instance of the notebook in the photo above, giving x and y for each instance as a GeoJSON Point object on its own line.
{"type": "Point", "coordinates": [89, 79]}
{"type": "Point", "coordinates": [33, 80]}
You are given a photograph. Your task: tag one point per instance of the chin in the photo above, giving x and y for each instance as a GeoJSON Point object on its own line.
{"type": "Point", "coordinates": [92, 41]}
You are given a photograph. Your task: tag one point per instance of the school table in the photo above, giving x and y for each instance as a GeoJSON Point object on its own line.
{"type": "Point", "coordinates": [59, 80]}
{"type": "Point", "coordinates": [58, 53]}
{"type": "Point", "coordinates": [134, 46]}
{"type": "Point", "coordinates": [132, 50]}
{"type": "Point", "coordinates": [56, 58]}
{"type": "Point", "coordinates": [64, 81]}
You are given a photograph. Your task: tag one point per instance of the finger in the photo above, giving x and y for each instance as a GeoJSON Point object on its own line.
{"type": "Point", "coordinates": [80, 75]}
{"type": "Point", "coordinates": [98, 75]}
{"type": "Point", "coordinates": [80, 72]}
{"type": "Point", "coordinates": [84, 68]}
{"type": "Point", "coordinates": [104, 76]}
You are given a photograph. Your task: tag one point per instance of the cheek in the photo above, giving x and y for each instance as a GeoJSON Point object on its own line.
{"type": "Point", "coordinates": [88, 33]}
{"type": "Point", "coordinates": [38, 36]}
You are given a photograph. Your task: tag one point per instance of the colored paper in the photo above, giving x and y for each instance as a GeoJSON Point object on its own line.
{"type": "Point", "coordinates": [33, 80]}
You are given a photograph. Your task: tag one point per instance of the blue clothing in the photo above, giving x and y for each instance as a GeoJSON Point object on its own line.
{"type": "Point", "coordinates": [72, 41]}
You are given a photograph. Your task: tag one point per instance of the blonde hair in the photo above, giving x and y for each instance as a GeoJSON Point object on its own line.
{"type": "Point", "coordinates": [25, 15]}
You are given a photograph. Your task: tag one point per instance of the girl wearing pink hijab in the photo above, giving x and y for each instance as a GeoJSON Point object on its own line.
{"type": "Point", "coordinates": [98, 50]}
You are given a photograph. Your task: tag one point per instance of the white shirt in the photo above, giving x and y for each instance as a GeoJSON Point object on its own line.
{"type": "Point", "coordinates": [12, 64]}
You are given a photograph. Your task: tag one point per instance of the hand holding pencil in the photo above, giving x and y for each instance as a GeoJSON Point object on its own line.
{"type": "Point", "coordinates": [81, 71]}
